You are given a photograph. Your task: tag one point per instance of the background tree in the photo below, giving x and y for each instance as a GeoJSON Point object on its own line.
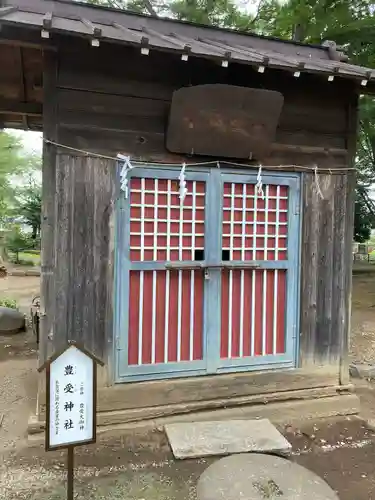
{"type": "Point", "coordinates": [350, 23]}
{"type": "Point", "coordinates": [363, 216]}
{"type": "Point", "coordinates": [15, 166]}
{"type": "Point", "coordinates": [223, 13]}
{"type": "Point", "coordinates": [29, 207]}
{"type": "Point", "coordinates": [115, 4]}
{"type": "Point", "coordinates": [140, 6]}
{"type": "Point", "coordinates": [11, 163]}
{"type": "Point", "coordinates": [17, 241]}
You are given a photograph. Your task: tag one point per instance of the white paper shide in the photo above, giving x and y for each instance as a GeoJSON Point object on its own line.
{"type": "Point", "coordinates": [71, 398]}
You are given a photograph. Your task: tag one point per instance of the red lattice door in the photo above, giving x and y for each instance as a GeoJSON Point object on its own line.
{"type": "Point", "coordinates": [208, 284]}
{"type": "Point", "coordinates": [165, 297]}
{"type": "Point", "coordinates": [260, 245]}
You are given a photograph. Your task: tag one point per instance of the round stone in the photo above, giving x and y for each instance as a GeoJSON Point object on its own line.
{"type": "Point", "coordinates": [256, 476]}
{"type": "Point", "coordinates": [11, 320]}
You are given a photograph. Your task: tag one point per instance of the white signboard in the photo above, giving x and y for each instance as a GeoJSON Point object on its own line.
{"type": "Point", "coordinates": [71, 398]}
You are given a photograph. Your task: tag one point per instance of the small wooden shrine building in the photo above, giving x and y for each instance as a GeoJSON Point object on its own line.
{"type": "Point", "coordinates": [209, 266]}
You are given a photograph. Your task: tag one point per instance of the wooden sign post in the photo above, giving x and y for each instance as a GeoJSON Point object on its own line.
{"type": "Point", "coordinates": [71, 403]}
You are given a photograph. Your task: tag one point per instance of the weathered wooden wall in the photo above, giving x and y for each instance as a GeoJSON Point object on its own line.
{"type": "Point", "coordinates": [82, 272]}
{"type": "Point", "coordinates": [113, 99]}
{"type": "Point", "coordinates": [48, 222]}
{"type": "Point", "coordinates": [326, 268]}
{"type": "Point", "coordinates": [118, 101]}
{"type": "Point", "coordinates": [82, 280]}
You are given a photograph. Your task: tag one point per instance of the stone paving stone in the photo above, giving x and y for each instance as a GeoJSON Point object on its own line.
{"type": "Point", "coordinates": [362, 370]}
{"type": "Point", "coordinates": [201, 439]}
{"type": "Point", "coordinates": [257, 476]}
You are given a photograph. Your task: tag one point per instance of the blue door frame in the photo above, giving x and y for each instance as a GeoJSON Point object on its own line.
{"type": "Point", "coordinates": [211, 363]}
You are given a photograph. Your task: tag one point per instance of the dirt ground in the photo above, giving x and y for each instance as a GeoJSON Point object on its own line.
{"type": "Point", "coordinates": [134, 466]}
{"type": "Point", "coordinates": [363, 318]}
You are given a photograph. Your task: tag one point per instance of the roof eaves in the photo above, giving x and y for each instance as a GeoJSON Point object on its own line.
{"type": "Point", "coordinates": [200, 43]}
{"type": "Point", "coordinates": [53, 5]}
{"type": "Point", "coordinates": [197, 25]}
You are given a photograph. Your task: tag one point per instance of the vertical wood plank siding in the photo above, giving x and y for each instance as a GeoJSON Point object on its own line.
{"type": "Point", "coordinates": [95, 104]}
{"type": "Point", "coordinates": [84, 198]}
{"type": "Point", "coordinates": [351, 143]}
{"type": "Point", "coordinates": [325, 273]}
{"type": "Point", "coordinates": [108, 108]}
{"type": "Point", "coordinates": [50, 126]}
{"type": "Point", "coordinates": [85, 193]}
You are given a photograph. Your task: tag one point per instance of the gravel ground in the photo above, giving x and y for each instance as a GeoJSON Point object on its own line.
{"type": "Point", "coordinates": [153, 483]}
{"type": "Point", "coordinates": [22, 289]}
{"type": "Point", "coordinates": [17, 401]}
{"type": "Point", "coordinates": [133, 468]}
{"type": "Point", "coordinates": [339, 451]}
{"type": "Point", "coordinates": [139, 468]}
{"type": "Point", "coordinates": [18, 375]}
{"type": "Point", "coordinates": [363, 318]}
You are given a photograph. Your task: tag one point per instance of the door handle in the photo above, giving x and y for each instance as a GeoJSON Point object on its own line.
{"type": "Point", "coordinates": [190, 265]}
{"type": "Point", "coordinates": [232, 265]}
{"type": "Point", "coordinates": [180, 266]}
{"type": "Point", "coordinates": [242, 265]}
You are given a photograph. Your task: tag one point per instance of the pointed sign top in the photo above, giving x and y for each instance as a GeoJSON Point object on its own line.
{"type": "Point", "coordinates": [71, 343]}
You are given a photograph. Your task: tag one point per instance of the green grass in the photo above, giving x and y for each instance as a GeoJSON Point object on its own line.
{"type": "Point", "coordinates": [26, 258]}
{"type": "Point", "coordinates": [30, 257]}
{"type": "Point", "coordinates": [11, 303]}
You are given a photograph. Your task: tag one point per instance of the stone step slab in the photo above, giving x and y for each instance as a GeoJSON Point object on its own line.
{"type": "Point", "coordinates": [202, 439]}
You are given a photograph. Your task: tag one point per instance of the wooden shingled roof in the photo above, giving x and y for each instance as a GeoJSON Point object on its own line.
{"type": "Point", "coordinates": [189, 40]}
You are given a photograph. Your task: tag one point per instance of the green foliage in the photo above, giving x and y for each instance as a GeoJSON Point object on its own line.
{"type": "Point", "coordinates": [138, 6]}
{"type": "Point", "coordinates": [17, 241]}
{"type": "Point", "coordinates": [29, 258]}
{"type": "Point", "coordinates": [29, 207]}
{"type": "Point", "coordinates": [364, 219]}
{"type": "Point", "coordinates": [223, 13]}
{"type": "Point", "coordinates": [115, 4]}
{"type": "Point", "coordinates": [350, 23]}
{"type": "Point", "coordinates": [213, 12]}
{"type": "Point", "coordinates": [314, 20]}
{"type": "Point", "coordinates": [366, 141]}
{"type": "Point", "coordinates": [11, 303]}
{"type": "Point", "coordinates": [14, 166]}
{"type": "Point", "coordinates": [11, 163]}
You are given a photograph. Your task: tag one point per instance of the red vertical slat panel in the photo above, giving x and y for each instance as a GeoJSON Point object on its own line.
{"type": "Point", "coordinates": [224, 314]}
{"type": "Point", "coordinates": [185, 316]}
{"type": "Point", "coordinates": [269, 312]}
{"type": "Point", "coordinates": [198, 315]}
{"type": "Point", "coordinates": [160, 316]}
{"type": "Point", "coordinates": [173, 305]}
{"type": "Point", "coordinates": [258, 313]}
{"type": "Point", "coordinates": [247, 313]}
{"type": "Point", "coordinates": [147, 318]}
{"type": "Point", "coordinates": [236, 312]}
{"type": "Point", "coordinates": [281, 306]}
{"type": "Point", "coordinates": [133, 342]}
{"type": "Point", "coordinates": [133, 317]}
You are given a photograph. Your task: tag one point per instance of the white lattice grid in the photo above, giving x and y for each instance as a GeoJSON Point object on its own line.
{"type": "Point", "coordinates": [162, 228]}
{"type": "Point", "coordinates": [255, 227]}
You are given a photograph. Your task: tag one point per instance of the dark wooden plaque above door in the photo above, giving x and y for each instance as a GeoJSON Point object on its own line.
{"type": "Point", "coordinates": [223, 121]}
